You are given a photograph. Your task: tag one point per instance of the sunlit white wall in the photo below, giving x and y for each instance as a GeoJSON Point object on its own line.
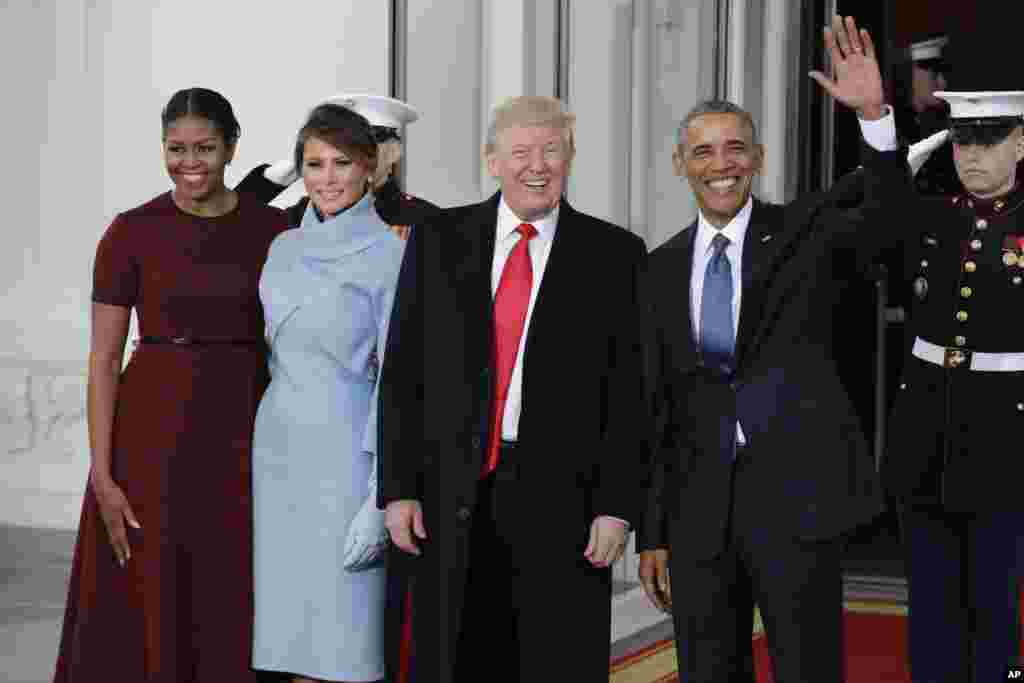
{"type": "Point", "coordinates": [462, 58]}
{"type": "Point", "coordinates": [636, 68]}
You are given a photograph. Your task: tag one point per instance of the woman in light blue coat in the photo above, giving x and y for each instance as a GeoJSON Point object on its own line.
{"type": "Point", "coordinates": [327, 289]}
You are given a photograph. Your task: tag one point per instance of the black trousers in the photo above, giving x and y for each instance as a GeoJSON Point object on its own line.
{"type": "Point", "coordinates": [797, 586]}
{"type": "Point", "coordinates": [488, 648]}
{"type": "Point", "coordinates": [964, 573]}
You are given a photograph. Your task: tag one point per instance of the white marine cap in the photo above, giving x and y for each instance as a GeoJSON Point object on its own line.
{"type": "Point", "coordinates": [385, 112]}
{"type": "Point", "coordinates": [984, 105]}
{"type": "Point", "coordinates": [928, 49]}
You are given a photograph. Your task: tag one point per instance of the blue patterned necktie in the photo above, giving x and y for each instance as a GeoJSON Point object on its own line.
{"type": "Point", "coordinates": [717, 339]}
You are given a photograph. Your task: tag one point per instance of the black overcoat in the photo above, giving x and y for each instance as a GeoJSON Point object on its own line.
{"type": "Point", "coordinates": [579, 432]}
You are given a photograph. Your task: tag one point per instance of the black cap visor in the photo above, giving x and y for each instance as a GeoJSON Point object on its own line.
{"type": "Point", "coordinates": [985, 132]}
{"type": "Point", "coordinates": [936, 65]}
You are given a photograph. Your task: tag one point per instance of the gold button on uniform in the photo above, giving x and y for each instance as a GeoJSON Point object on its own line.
{"type": "Point", "coordinates": [966, 292]}
{"type": "Point", "coordinates": [981, 224]}
{"type": "Point", "coordinates": [970, 266]}
{"type": "Point", "coordinates": [959, 340]}
{"type": "Point", "coordinates": [961, 316]}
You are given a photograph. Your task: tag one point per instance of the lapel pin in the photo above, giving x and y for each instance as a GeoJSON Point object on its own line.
{"type": "Point", "coordinates": [766, 238]}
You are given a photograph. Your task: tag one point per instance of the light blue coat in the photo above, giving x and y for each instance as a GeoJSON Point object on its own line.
{"type": "Point", "coordinates": [327, 290]}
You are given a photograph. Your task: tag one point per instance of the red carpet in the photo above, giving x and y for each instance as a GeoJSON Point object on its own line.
{"type": "Point", "coordinates": [875, 652]}
{"type": "Point", "coordinates": [875, 641]}
{"type": "Point", "coordinates": [876, 646]}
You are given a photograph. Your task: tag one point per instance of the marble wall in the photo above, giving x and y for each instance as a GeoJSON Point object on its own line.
{"type": "Point", "coordinates": [44, 455]}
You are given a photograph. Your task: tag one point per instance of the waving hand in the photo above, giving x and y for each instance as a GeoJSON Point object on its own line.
{"type": "Point", "coordinates": [857, 80]}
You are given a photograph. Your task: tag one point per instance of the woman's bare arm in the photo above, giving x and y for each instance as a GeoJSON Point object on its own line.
{"type": "Point", "coordinates": [106, 352]}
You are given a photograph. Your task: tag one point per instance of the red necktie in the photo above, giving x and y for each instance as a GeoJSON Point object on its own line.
{"type": "Point", "coordinates": [510, 304]}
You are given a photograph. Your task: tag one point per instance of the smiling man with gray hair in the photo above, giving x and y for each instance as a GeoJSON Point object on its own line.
{"type": "Point", "coordinates": [518, 479]}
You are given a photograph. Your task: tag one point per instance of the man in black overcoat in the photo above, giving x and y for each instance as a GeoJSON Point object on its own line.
{"type": "Point", "coordinates": [511, 407]}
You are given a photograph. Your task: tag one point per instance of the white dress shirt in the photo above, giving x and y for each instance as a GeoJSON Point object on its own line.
{"type": "Point", "coordinates": [736, 231]}
{"type": "Point", "coordinates": [880, 133]}
{"type": "Point", "coordinates": [506, 238]}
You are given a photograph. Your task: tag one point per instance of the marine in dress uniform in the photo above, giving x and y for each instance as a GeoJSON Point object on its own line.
{"type": "Point", "coordinates": [953, 461]}
{"type": "Point", "coordinates": [928, 70]}
{"type": "Point", "coordinates": [388, 117]}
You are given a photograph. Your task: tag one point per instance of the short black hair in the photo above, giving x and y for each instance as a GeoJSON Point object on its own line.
{"type": "Point", "coordinates": [205, 103]}
{"type": "Point", "coordinates": [714, 106]}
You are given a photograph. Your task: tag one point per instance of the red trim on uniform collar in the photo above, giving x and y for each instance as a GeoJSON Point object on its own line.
{"type": "Point", "coordinates": [986, 208]}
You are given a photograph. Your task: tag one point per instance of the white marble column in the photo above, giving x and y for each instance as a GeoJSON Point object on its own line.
{"type": "Point", "coordinates": [776, 77]}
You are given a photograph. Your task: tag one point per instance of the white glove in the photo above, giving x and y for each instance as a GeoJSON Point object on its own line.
{"type": "Point", "coordinates": [281, 172]}
{"type": "Point", "coordinates": [921, 150]}
{"type": "Point", "coordinates": [367, 539]}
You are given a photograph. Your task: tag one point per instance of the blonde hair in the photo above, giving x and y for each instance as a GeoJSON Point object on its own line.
{"type": "Point", "coordinates": [529, 111]}
{"type": "Point", "coordinates": [389, 159]}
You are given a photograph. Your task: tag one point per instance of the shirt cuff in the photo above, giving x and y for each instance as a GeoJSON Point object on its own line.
{"type": "Point", "coordinates": [880, 133]}
{"type": "Point", "coordinates": [617, 519]}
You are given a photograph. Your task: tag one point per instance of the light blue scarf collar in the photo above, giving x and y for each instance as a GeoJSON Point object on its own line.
{"type": "Point", "coordinates": [354, 229]}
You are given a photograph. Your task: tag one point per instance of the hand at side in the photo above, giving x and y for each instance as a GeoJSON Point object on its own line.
{"type": "Point", "coordinates": [654, 578]}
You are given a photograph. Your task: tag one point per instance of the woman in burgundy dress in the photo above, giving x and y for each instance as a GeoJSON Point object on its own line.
{"type": "Point", "coordinates": [161, 585]}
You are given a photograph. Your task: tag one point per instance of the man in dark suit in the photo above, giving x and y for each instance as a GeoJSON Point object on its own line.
{"type": "Point", "coordinates": [760, 464]}
{"type": "Point", "coordinates": [511, 407]}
